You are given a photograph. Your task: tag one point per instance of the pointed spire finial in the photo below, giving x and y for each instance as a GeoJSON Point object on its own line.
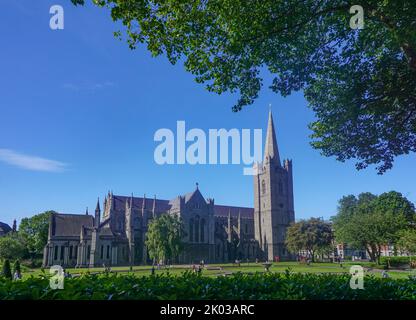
{"type": "Point", "coordinates": [197, 186]}
{"type": "Point", "coordinates": [154, 207]}
{"type": "Point", "coordinates": [144, 201]}
{"type": "Point", "coordinates": [97, 216]}
{"type": "Point", "coordinates": [97, 208]}
{"type": "Point", "coordinates": [271, 150]}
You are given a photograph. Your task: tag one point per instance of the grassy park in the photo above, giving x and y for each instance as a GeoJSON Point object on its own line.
{"type": "Point", "coordinates": [215, 270]}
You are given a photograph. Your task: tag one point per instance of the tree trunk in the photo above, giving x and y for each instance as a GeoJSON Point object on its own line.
{"type": "Point", "coordinates": [370, 250]}
{"type": "Point", "coordinates": [378, 253]}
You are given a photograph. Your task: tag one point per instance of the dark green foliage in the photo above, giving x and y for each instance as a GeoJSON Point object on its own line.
{"type": "Point", "coordinates": [313, 236]}
{"type": "Point", "coordinates": [370, 221]}
{"type": "Point", "coordinates": [360, 83]}
{"type": "Point", "coordinates": [16, 266]}
{"type": "Point", "coordinates": [195, 287]}
{"type": "Point", "coordinates": [164, 239]}
{"type": "Point", "coordinates": [7, 272]}
{"type": "Point", "coordinates": [407, 241]}
{"type": "Point", "coordinates": [11, 247]}
{"type": "Point", "coordinates": [397, 261]}
{"type": "Point", "coordinates": [34, 233]}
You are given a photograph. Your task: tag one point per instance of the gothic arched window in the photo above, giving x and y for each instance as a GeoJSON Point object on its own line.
{"type": "Point", "coordinates": [263, 186]}
{"type": "Point", "coordinates": [197, 229]}
{"type": "Point", "coordinates": [202, 230]}
{"type": "Point", "coordinates": [191, 230]}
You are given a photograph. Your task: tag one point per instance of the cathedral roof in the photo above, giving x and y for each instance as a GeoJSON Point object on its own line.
{"type": "Point", "coordinates": [69, 225]}
{"type": "Point", "coordinates": [222, 211]}
{"type": "Point", "coordinates": [161, 205]}
{"type": "Point", "coordinates": [4, 228]}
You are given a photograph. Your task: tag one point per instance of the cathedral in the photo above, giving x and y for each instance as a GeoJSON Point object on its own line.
{"type": "Point", "coordinates": [115, 235]}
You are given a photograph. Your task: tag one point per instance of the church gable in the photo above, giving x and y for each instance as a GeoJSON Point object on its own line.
{"type": "Point", "coordinates": [195, 200]}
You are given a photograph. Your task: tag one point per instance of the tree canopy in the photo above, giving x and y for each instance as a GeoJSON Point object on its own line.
{"type": "Point", "coordinates": [369, 221]}
{"type": "Point", "coordinates": [34, 233]}
{"type": "Point", "coordinates": [359, 82]}
{"type": "Point", "coordinates": [11, 247]}
{"type": "Point", "coordinates": [313, 235]}
{"type": "Point", "coordinates": [165, 238]}
{"type": "Point", "coordinates": [407, 241]}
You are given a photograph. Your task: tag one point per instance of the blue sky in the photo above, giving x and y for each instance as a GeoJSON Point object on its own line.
{"type": "Point", "coordinates": [87, 107]}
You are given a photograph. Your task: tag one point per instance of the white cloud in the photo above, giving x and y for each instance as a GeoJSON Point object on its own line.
{"type": "Point", "coordinates": [31, 162]}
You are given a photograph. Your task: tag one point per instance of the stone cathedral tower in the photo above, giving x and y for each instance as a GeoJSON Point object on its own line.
{"type": "Point", "coordinates": [273, 199]}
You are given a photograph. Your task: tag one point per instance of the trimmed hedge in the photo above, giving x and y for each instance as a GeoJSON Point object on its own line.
{"type": "Point", "coordinates": [396, 261]}
{"type": "Point", "coordinates": [280, 286]}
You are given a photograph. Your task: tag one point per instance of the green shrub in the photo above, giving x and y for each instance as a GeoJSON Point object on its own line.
{"type": "Point", "coordinates": [396, 261]}
{"type": "Point", "coordinates": [190, 286]}
{"type": "Point", "coordinates": [16, 266]}
{"type": "Point", "coordinates": [7, 272]}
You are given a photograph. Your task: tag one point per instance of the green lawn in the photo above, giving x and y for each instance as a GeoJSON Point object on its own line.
{"type": "Point", "coordinates": [215, 270]}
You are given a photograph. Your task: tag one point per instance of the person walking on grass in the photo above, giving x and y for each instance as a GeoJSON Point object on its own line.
{"type": "Point", "coordinates": [17, 271]}
{"type": "Point", "coordinates": [340, 262]}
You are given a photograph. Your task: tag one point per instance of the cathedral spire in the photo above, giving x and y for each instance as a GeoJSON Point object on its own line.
{"type": "Point", "coordinates": [97, 208]}
{"type": "Point", "coordinates": [271, 150]}
{"type": "Point", "coordinates": [97, 214]}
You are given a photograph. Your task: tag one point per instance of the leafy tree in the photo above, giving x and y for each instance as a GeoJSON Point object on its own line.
{"type": "Point", "coordinates": [313, 235]}
{"type": "Point", "coordinates": [164, 238]}
{"type": "Point", "coordinates": [370, 221]}
{"type": "Point", "coordinates": [34, 233]}
{"type": "Point", "coordinates": [7, 272]}
{"type": "Point", "coordinates": [407, 241]}
{"type": "Point", "coordinates": [11, 247]}
{"type": "Point", "coordinates": [360, 83]}
{"type": "Point", "coordinates": [395, 203]}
